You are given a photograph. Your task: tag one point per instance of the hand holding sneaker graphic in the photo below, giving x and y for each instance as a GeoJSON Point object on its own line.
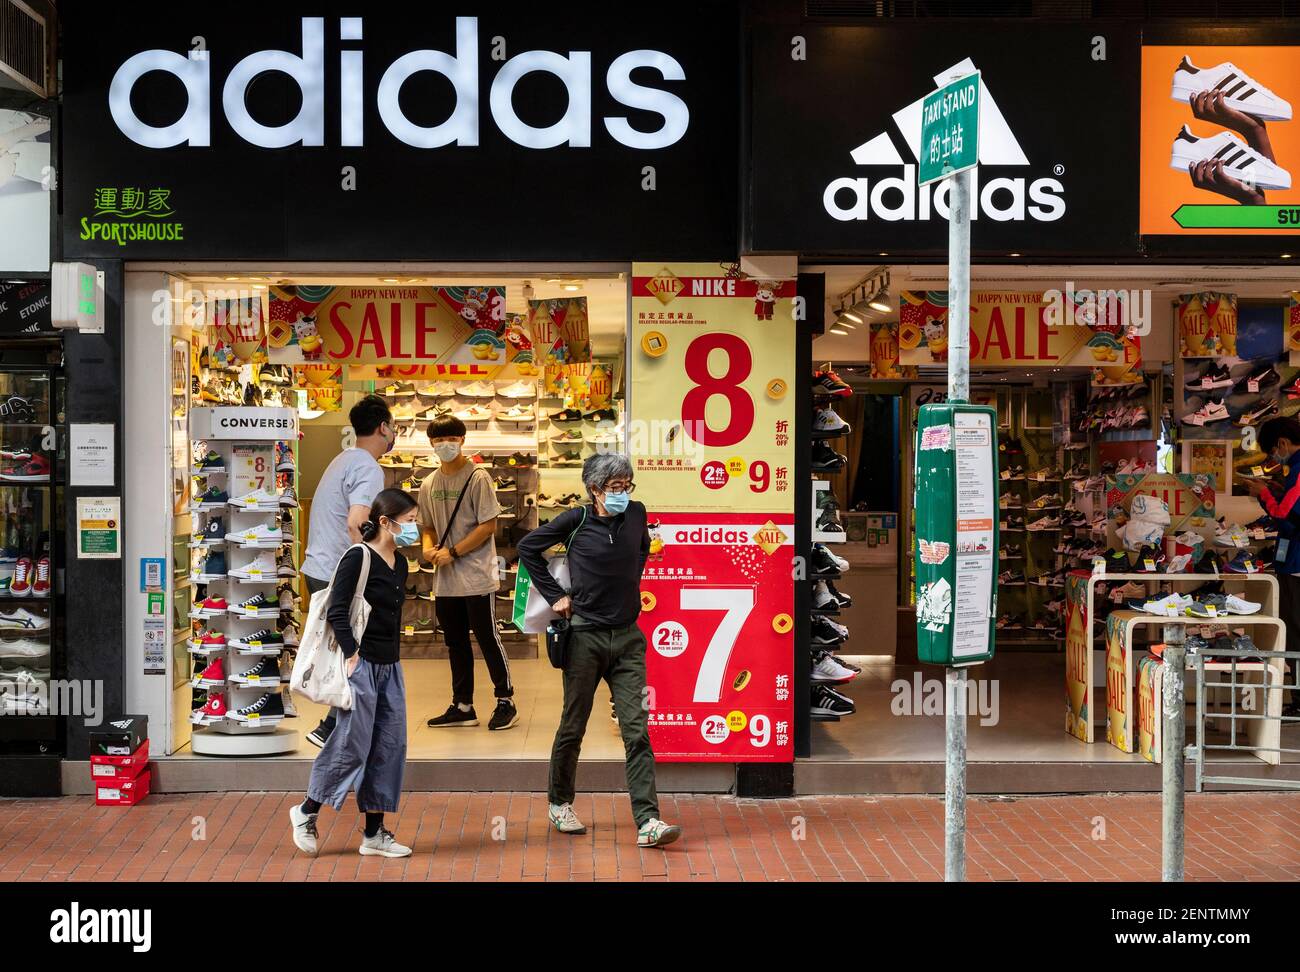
{"type": "Point", "coordinates": [1211, 173]}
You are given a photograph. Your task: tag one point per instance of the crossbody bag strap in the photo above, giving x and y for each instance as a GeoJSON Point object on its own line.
{"type": "Point", "coordinates": [364, 576]}
{"type": "Point", "coordinates": [456, 509]}
{"type": "Point", "coordinates": [568, 544]}
{"type": "Point", "coordinates": [365, 565]}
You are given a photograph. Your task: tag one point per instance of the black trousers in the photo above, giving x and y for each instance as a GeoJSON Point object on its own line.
{"type": "Point", "coordinates": [458, 616]}
{"type": "Point", "coordinates": [1288, 589]}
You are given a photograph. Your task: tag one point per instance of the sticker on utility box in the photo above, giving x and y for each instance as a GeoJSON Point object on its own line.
{"type": "Point", "coordinates": [934, 605]}
{"type": "Point", "coordinates": [937, 437]}
{"type": "Point", "coordinates": [933, 552]}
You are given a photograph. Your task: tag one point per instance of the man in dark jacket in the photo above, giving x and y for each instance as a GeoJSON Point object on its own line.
{"type": "Point", "coordinates": [1280, 438]}
{"type": "Point", "coordinates": [607, 547]}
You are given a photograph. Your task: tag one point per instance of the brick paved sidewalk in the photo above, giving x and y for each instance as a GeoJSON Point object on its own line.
{"type": "Point", "coordinates": [458, 837]}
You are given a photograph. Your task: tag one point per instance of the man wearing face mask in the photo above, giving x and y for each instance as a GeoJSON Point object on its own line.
{"type": "Point", "coordinates": [458, 519]}
{"type": "Point", "coordinates": [1280, 438]}
{"type": "Point", "coordinates": [608, 543]}
{"type": "Point", "coordinates": [341, 504]}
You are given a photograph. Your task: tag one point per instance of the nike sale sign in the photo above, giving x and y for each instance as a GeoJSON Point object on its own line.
{"type": "Point", "coordinates": [840, 174]}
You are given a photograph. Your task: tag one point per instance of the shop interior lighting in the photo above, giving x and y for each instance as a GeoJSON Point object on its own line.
{"type": "Point", "coordinates": [839, 330]}
{"type": "Point", "coordinates": [880, 304]}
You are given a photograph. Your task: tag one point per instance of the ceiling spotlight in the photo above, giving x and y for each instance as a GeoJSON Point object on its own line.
{"type": "Point", "coordinates": [843, 323]}
{"type": "Point", "coordinates": [852, 316]}
{"type": "Point", "coordinates": [837, 329]}
{"type": "Point", "coordinates": [1285, 256]}
{"type": "Point", "coordinates": [1013, 254]}
{"type": "Point", "coordinates": [571, 287]}
{"type": "Point", "coordinates": [388, 279]}
{"type": "Point", "coordinates": [879, 304]}
{"type": "Point", "coordinates": [527, 290]}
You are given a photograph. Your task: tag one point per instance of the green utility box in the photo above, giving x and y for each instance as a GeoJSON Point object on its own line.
{"type": "Point", "coordinates": [956, 547]}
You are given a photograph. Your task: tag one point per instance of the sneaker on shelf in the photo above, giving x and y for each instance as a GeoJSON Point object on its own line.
{"type": "Point", "coordinates": [823, 599]}
{"type": "Point", "coordinates": [828, 424]}
{"type": "Point", "coordinates": [399, 389]}
{"type": "Point", "coordinates": [21, 619]}
{"type": "Point", "coordinates": [829, 523]}
{"type": "Point", "coordinates": [826, 670]}
{"type": "Point", "coordinates": [566, 415]}
{"type": "Point", "coordinates": [214, 672]}
{"type": "Point", "coordinates": [516, 414]}
{"type": "Point", "coordinates": [1150, 560]}
{"type": "Point", "coordinates": [34, 469]}
{"type": "Point", "coordinates": [1208, 414]}
{"type": "Point", "coordinates": [477, 389]}
{"type": "Point", "coordinates": [21, 584]}
{"type": "Point", "coordinates": [827, 704]}
{"type": "Point", "coordinates": [1048, 522]}
{"type": "Point", "coordinates": [289, 497]}
{"type": "Point", "coordinates": [41, 582]}
{"type": "Point", "coordinates": [284, 565]}
{"type": "Point", "coordinates": [215, 532]}
{"type": "Point", "coordinates": [846, 601]}
{"type": "Point", "coordinates": [267, 707]}
{"type": "Point", "coordinates": [1239, 605]}
{"type": "Point", "coordinates": [475, 413]}
{"type": "Point", "coordinates": [264, 672]}
{"type": "Point", "coordinates": [258, 602]}
{"type": "Point", "coordinates": [214, 707]}
{"type": "Point", "coordinates": [283, 457]}
{"type": "Point", "coordinates": [1258, 412]}
{"type": "Point", "coordinates": [212, 462]}
{"type": "Point", "coordinates": [436, 389]}
{"type": "Point", "coordinates": [1245, 563]}
{"type": "Point", "coordinates": [507, 484]}
{"type": "Point", "coordinates": [259, 535]}
{"type": "Point", "coordinates": [257, 499]}
{"type": "Point", "coordinates": [396, 460]}
{"type": "Point", "coordinates": [1169, 606]}
{"type": "Point", "coordinates": [1210, 563]}
{"type": "Point", "coordinates": [825, 564]}
{"type": "Point", "coordinates": [289, 631]}
{"type": "Point", "coordinates": [829, 383]}
{"type": "Point", "coordinates": [1214, 376]}
{"type": "Point", "coordinates": [1231, 535]}
{"type": "Point", "coordinates": [403, 412]}
{"type": "Point", "coordinates": [261, 640]}
{"type": "Point", "coordinates": [214, 564]}
{"type": "Point", "coordinates": [212, 496]}
{"type": "Point", "coordinates": [826, 459]}
{"type": "Point", "coordinates": [1011, 578]}
{"type": "Point", "coordinates": [1117, 562]}
{"type": "Point", "coordinates": [260, 567]}
{"type": "Point", "coordinates": [519, 389]}
{"type": "Point", "coordinates": [454, 718]}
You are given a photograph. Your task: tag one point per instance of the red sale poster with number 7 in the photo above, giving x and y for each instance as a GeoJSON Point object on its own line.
{"type": "Point", "coordinates": [717, 602]}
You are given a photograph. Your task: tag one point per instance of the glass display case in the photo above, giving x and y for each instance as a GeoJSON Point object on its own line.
{"type": "Point", "coordinates": [31, 543]}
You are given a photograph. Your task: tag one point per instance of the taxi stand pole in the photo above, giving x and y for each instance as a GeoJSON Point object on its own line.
{"type": "Point", "coordinates": [954, 788]}
{"type": "Point", "coordinates": [1172, 766]}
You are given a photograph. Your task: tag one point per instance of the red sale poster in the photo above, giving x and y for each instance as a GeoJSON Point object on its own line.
{"type": "Point", "coordinates": [717, 601]}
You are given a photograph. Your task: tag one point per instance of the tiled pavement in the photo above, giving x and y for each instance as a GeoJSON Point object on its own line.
{"type": "Point", "coordinates": [506, 837]}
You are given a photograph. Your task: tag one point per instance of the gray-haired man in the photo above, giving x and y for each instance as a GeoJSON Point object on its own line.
{"type": "Point", "coordinates": [608, 549]}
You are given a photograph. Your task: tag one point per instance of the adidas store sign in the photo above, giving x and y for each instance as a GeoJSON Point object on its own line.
{"type": "Point", "coordinates": [894, 198]}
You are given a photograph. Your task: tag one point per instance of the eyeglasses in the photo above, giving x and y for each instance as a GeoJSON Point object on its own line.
{"type": "Point", "coordinates": [628, 488]}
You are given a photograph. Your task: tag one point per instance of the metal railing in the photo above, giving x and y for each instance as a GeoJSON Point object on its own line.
{"type": "Point", "coordinates": [1249, 700]}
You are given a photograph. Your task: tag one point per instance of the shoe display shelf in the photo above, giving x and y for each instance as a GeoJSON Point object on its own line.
{"type": "Point", "coordinates": [1089, 653]}
{"type": "Point", "coordinates": [825, 703]}
{"type": "Point", "coordinates": [247, 465]}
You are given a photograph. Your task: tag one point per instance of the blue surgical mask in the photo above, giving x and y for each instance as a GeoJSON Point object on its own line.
{"type": "Point", "coordinates": [408, 535]}
{"type": "Point", "coordinates": [616, 503]}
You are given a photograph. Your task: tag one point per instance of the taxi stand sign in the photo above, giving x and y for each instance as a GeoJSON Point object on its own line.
{"type": "Point", "coordinates": [957, 534]}
{"type": "Point", "coordinates": [950, 124]}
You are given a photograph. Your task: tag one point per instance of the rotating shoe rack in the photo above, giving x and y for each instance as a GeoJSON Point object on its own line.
{"type": "Point", "coordinates": [242, 436]}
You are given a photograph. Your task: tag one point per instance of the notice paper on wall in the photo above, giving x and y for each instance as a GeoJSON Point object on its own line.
{"type": "Point", "coordinates": [90, 454]}
{"type": "Point", "coordinates": [99, 527]}
{"type": "Point", "coordinates": [976, 510]}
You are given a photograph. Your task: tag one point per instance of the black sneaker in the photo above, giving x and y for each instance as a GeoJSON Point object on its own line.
{"type": "Point", "coordinates": [826, 459]}
{"type": "Point", "coordinates": [505, 716]}
{"type": "Point", "coordinates": [1215, 376]}
{"type": "Point", "coordinates": [215, 531]}
{"type": "Point", "coordinates": [844, 599]}
{"type": "Point", "coordinates": [823, 633]}
{"type": "Point", "coordinates": [823, 565]}
{"type": "Point", "coordinates": [566, 415]}
{"type": "Point", "coordinates": [1117, 562]}
{"type": "Point", "coordinates": [826, 699]}
{"type": "Point", "coordinates": [268, 706]}
{"type": "Point", "coordinates": [829, 522]}
{"type": "Point", "coordinates": [1210, 564]}
{"type": "Point", "coordinates": [1259, 379]}
{"type": "Point", "coordinates": [454, 718]}
{"type": "Point", "coordinates": [602, 415]}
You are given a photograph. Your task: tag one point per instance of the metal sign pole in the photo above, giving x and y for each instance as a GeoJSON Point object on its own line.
{"type": "Point", "coordinates": [1172, 770]}
{"type": "Point", "coordinates": [954, 790]}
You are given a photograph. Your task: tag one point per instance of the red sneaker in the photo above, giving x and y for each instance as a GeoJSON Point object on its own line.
{"type": "Point", "coordinates": [829, 383]}
{"type": "Point", "coordinates": [215, 706]}
{"type": "Point", "coordinates": [216, 672]}
{"type": "Point", "coordinates": [41, 585]}
{"type": "Point", "coordinates": [214, 604]}
{"type": "Point", "coordinates": [214, 639]}
{"type": "Point", "coordinates": [21, 585]}
{"type": "Point", "coordinates": [32, 469]}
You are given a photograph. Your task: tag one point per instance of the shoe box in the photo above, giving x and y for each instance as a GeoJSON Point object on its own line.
{"type": "Point", "coordinates": [120, 736]}
{"type": "Point", "coordinates": [119, 768]}
{"type": "Point", "coordinates": [122, 793]}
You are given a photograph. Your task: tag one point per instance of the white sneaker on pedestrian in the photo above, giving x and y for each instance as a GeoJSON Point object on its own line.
{"type": "Point", "coordinates": [565, 820]}
{"type": "Point", "coordinates": [383, 844]}
{"type": "Point", "coordinates": [304, 830]}
{"type": "Point", "coordinates": [655, 833]}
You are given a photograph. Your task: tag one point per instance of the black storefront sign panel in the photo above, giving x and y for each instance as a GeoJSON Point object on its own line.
{"type": "Point", "coordinates": [834, 138]}
{"type": "Point", "coordinates": [297, 131]}
{"type": "Point", "coordinates": [25, 308]}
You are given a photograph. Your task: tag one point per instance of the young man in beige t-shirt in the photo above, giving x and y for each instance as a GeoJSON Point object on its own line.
{"type": "Point", "coordinates": [463, 549]}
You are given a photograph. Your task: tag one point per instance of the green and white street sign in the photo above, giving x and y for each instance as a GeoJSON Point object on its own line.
{"type": "Point", "coordinates": [950, 125]}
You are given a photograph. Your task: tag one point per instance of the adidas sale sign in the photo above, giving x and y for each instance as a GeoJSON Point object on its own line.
{"type": "Point", "coordinates": [711, 367]}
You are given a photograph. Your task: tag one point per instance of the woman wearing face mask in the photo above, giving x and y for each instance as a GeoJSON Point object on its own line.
{"type": "Point", "coordinates": [608, 543]}
{"type": "Point", "coordinates": [367, 750]}
{"type": "Point", "coordinates": [458, 519]}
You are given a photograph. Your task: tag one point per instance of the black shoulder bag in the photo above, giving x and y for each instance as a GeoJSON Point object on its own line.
{"type": "Point", "coordinates": [559, 630]}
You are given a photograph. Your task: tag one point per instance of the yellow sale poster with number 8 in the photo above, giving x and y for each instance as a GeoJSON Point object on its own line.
{"type": "Point", "coordinates": [712, 374]}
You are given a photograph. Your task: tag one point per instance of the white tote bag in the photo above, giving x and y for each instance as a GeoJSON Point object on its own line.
{"type": "Point", "coordinates": [320, 668]}
{"type": "Point", "coordinates": [538, 613]}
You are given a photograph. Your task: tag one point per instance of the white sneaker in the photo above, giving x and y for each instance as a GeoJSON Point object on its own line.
{"type": "Point", "coordinates": [383, 844]}
{"type": "Point", "coordinates": [564, 819]}
{"type": "Point", "coordinates": [257, 499]}
{"type": "Point", "coordinates": [436, 389]}
{"type": "Point", "coordinates": [827, 669]}
{"type": "Point", "coordinates": [21, 619]}
{"type": "Point", "coordinates": [1231, 535]}
{"type": "Point", "coordinates": [1211, 411]}
{"type": "Point", "coordinates": [1045, 523]}
{"type": "Point", "coordinates": [304, 830]}
{"type": "Point", "coordinates": [1240, 90]}
{"type": "Point", "coordinates": [655, 833]}
{"type": "Point", "coordinates": [822, 597]}
{"type": "Point", "coordinates": [261, 566]}
{"type": "Point", "coordinates": [1239, 160]}
{"type": "Point", "coordinates": [828, 421]}
{"type": "Point", "coordinates": [477, 389]}
{"type": "Point", "coordinates": [260, 534]}
{"type": "Point", "coordinates": [516, 413]}
{"type": "Point", "coordinates": [1238, 605]}
{"type": "Point", "coordinates": [475, 413]}
{"type": "Point", "coordinates": [1169, 606]}
{"type": "Point", "coordinates": [520, 389]}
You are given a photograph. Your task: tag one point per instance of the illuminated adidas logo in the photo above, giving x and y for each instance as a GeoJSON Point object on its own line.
{"type": "Point", "coordinates": [898, 198]}
{"type": "Point", "coordinates": [121, 724]}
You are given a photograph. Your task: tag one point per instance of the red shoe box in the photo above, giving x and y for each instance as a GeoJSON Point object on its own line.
{"type": "Point", "coordinates": [119, 768]}
{"type": "Point", "coordinates": [122, 793]}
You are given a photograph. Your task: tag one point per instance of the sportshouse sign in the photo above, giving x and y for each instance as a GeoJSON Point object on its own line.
{"type": "Point", "coordinates": [288, 130]}
{"type": "Point", "coordinates": [840, 174]}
